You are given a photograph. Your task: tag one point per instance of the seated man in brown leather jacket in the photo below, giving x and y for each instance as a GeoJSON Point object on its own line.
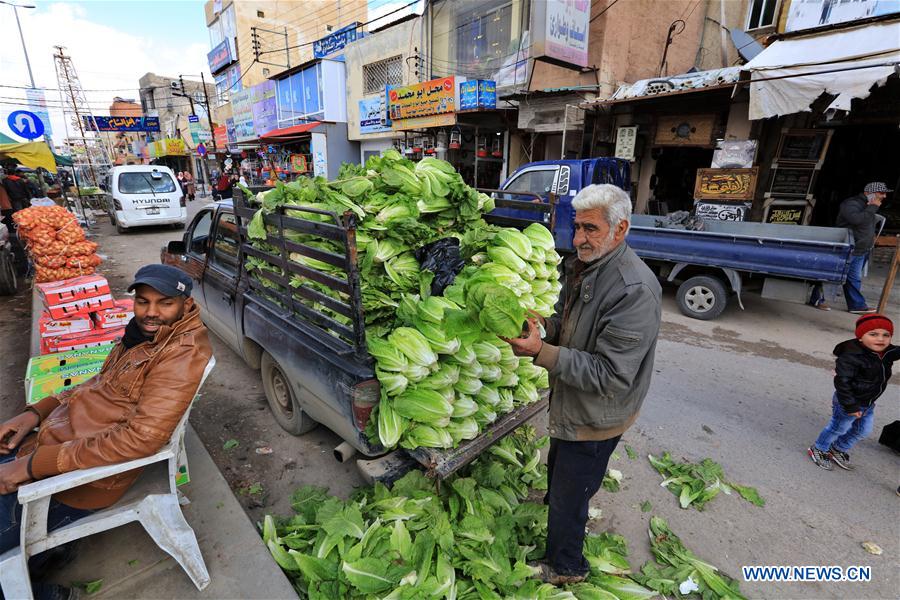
{"type": "Point", "coordinates": [128, 410]}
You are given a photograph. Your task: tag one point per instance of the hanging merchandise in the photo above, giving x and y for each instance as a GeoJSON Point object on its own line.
{"type": "Point", "coordinates": [497, 148]}
{"type": "Point", "coordinates": [418, 143]}
{"type": "Point", "coordinates": [441, 143]}
{"type": "Point", "coordinates": [429, 145]}
{"type": "Point", "coordinates": [455, 138]}
{"type": "Point", "coordinates": [481, 150]}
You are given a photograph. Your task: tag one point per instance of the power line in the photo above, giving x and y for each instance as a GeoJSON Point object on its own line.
{"type": "Point", "coordinates": [608, 6]}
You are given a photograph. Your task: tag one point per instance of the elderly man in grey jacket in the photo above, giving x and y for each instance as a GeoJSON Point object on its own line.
{"type": "Point", "coordinates": [598, 348]}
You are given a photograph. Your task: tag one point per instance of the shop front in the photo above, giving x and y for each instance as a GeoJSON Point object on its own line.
{"type": "Point", "coordinates": [828, 105]}
{"type": "Point", "coordinates": [170, 152]}
{"type": "Point", "coordinates": [457, 121]}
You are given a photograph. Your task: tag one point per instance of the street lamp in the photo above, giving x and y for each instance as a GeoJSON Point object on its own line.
{"type": "Point", "coordinates": [22, 37]}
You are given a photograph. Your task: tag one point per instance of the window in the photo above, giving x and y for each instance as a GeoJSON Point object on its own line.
{"type": "Point", "coordinates": [761, 13]}
{"type": "Point", "coordinates": [226, 243]}
{"type": "Point", "coordinates": [378, 75]}
{"type": "Point", "coordinates": [143, 182]}
{"type": "Point", "coordinates": [200, 232]}
{"type": "Point", "coordinates": [483, 36]}
{"type": "Point", "coordinates": [260, 14]}
{"type": "Point", "coordinates": [538, 181]}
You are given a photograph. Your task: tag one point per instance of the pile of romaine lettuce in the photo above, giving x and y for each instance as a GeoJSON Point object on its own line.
{"type": "Point", "coordinates": [444, 371]}
{"type": "Point", "coordinates": [473, 539]}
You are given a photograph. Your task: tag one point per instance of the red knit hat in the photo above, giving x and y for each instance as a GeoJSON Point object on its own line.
{"type": "Point", "coordinates": [867, 323]}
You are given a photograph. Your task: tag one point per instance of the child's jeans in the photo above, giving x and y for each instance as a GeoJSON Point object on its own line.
{"type": "Point", "coordinates": [843, 431]}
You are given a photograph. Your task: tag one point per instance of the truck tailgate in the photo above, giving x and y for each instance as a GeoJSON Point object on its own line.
{"type": "Point", "coordinates": [442, 463]}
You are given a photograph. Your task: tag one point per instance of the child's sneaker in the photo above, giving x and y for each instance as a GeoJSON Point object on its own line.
{"type": "Point", "coordinates": [841, 459]}
{"type": "Point", "coordinates": [822, 459]}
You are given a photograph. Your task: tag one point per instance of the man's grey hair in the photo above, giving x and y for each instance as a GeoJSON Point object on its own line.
{"type": "Point", "coordinates": [615, 202]}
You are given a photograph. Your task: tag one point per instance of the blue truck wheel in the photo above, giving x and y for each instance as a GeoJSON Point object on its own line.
{"type": "Point", "coordinates": [702, 297]}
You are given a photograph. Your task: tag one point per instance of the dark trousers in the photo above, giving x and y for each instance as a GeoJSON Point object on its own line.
{"type": "Point", "coordinates": [574, 473]}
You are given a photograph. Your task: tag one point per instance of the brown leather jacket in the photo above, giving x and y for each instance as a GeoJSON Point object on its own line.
{"type": "Point", "coordinates": [127, 411]}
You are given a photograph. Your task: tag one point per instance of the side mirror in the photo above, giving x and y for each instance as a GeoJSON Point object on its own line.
{"type": "Point", "coordinates": [175, 247]}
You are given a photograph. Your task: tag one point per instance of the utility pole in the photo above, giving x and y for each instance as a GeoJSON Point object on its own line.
{"type": "Point", "coordinates": [212, 125]}
{"type": "Point", "coordinates": [186, 95]}
{"type": "Point", "coordinates": [22, 37]}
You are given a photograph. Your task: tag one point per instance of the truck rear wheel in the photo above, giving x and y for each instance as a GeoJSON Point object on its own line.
{"type": "Point", "coordinates": [282, 401]}
{"type": "Point", "coordinates": [702, 297]}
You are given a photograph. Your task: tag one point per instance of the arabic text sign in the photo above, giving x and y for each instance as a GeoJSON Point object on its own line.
{"type": "Point", "coordinates": [336, 41]}
{"type": "Point", "coordinates": [242, 110]}
{"type": "Point", "coordinates": [434, 97]}
{"type": "Point", "coordinates": [725, 184]}
{"type": "Point", "coordinates": [371, 116]}
{"type": "Point", "coordinates": [264, 107]}
{"type": "Point", "coordinates": [477, 93]}
{"type": "Point", "coordinates": [219, 57]}
{"type": "Point", "coordinates": [564, 35]}
{"type": "Point", "coordinates": [97, 123]}
{"type": "Point", "coordinates": [722, 212]}
{"type": "Point", "coordinates": [38, 105]}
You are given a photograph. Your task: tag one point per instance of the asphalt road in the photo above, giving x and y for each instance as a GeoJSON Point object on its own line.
{"type": "Point", "coordinates": [750, 390]}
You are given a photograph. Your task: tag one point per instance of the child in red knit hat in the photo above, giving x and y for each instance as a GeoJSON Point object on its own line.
{"type": "Point", "coordinates": [862, 371]}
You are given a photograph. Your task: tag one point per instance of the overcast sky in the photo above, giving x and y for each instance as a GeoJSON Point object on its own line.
{"type": "Point", "coordinates": [112, 44]}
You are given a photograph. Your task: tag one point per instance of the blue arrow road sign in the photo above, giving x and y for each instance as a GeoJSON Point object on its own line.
{"type": "Point", "coordinates": [201, 149]}
{"type": "Point", "coordinates": [25, 124]}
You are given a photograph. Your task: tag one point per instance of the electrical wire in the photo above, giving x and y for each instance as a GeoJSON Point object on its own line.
{"type": "Point", "coordinates": [608, 6]}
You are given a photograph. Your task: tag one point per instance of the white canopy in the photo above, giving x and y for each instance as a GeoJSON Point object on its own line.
{"type": "Point", "coordinates": [870, 51]}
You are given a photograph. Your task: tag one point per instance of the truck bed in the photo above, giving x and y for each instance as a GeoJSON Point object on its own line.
{"type": "Point", "coordinates": [790, 251]}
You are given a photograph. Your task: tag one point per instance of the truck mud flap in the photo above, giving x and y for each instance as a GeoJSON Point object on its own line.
{"type": "Point", "coordinates": [440, 464]}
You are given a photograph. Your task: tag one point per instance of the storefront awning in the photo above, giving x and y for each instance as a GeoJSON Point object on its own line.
{"type": "Point", "coordinates": [846, 63]}
{"type": "Point", "coordinates": [286, 134]}
{"type": "Point", "coordinates": [30, 154]}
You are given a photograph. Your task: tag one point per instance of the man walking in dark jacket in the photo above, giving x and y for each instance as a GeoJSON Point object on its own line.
{"type": "Point", "coordinates": [599, 349]}
{"type": "Point", "coordinates": [857, 214]}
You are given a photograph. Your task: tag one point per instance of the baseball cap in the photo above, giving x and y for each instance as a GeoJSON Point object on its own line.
{"type": "Point", "coordinates": [875, 187]}
{"type": "Point", "coordinates": [166, 280]}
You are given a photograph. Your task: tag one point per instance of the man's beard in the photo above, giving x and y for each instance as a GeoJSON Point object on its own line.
{"type": "Point", "coordinates": [605, 248]}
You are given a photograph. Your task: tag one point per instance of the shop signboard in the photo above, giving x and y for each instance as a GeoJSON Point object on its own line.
{"type": "Point", "coordinates": [220, 135]}
{"type": "Point", "coordinates": [818, 13]}
{"type": "Point", "coordinates": [108, 123]}
{"type": "Point", "coordinates": [298, 163]}
{"type": "Point", "coordinates": [803, 145]}
{"type": "Point", "coordinates": [626, 138]}
{"type": "Point", "coordinates": [371, 116]}
{"type": "Point", "coordinates": [560, 29]}
{"type": "Point", "coordinates": [219, 57]}
{"type": "Point", "coordinates": [428, 104]}
{"type": "Point", "coordinates": [230, 132]}
{"type": "Point", "coordinates": [787, 211]}
{"type": "Point", "coordinates": [792, 181]}
{"type": "Point", "coordinates": [335, 41]}
{"type": "Point", "coordinates": [242, 113]}
{"type": "Point", "coordinates": [265, 111]}
{"type": "Point", "coordinates": [725, 185]}
{"type": "Point", "coordinates": [38, 105]}
{"type": "Point", "coordinates": [728, 211]}
{"type": "Point", "coordinates": [169, 147]}
{"type": "Point", "coordinates": [477, 94]}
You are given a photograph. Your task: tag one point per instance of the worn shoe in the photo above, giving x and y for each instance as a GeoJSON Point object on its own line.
{"type": "Point", "coordinates": [822, 459]}
{"type": "Point", "coordinates": [898, 490]}
{"type": "Point", "coordinates": [862, 311]}
{"type": "Point", "coordinates": [822, 306]}
{"type": "Point", "coordinates": [841, 459]}
{"type": "Point", "coordinates": [548, 575]}
{"type": "Point", "coordinates": [52, 591]}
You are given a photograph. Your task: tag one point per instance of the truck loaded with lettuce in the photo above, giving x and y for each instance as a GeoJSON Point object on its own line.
{"type": "Point", "coordinates": [375, 304]}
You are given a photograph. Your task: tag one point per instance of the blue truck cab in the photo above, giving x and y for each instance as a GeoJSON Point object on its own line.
{"type": "Point", "coordinates": [564, 179]}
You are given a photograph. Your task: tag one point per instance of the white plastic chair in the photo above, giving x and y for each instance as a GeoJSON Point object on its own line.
{"type": "Point", "coordinates": [152, 500]}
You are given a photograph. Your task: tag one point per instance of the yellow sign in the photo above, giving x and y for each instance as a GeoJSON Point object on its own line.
{"type": "Point", "coordinates": [725, 184]}
{"type": "Point", "coordinates": [435, 97]}
{"type": "Point", "coordinates": [169, 147]}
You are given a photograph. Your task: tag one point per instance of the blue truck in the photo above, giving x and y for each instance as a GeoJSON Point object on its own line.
{"type": "Point", "coordinates": [725, 259]}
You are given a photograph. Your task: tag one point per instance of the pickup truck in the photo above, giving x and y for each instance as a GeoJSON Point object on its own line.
{"type": "Point", "coordinates": [313, 368]}
{"type": "Point", "coordinates": [780, 261]}
{"type": "Point", "coordinates": [557, 181]}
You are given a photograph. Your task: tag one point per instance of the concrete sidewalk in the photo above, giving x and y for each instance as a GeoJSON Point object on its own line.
{"type": "Point", "coordinates": [132, 566]}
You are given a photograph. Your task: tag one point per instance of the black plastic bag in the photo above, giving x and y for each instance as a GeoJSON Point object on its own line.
{"type": "Point", "coordinates": [441, 258]}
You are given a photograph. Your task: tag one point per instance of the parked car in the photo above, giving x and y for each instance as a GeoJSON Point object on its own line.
{"type": "Point", "coordinates": [142, 195]}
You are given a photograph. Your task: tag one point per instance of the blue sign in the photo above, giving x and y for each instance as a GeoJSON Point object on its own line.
{"type": "Point", "coordinates": [372, 118]}
{"type": "Point", "coordinates": [477, 94]}
{"type": "Point", "coordinates": [219, 57]}
{"type": "Point", "coordinates": [25, 124]}
{"type": "Point", "coordinates": [193, 119]}
{"type": "Point", "coordinates": [336, 41]}
{"type": "Point", "coordinates": [201, 149]}
{"type": "Point", "coordinates": [99, 123]}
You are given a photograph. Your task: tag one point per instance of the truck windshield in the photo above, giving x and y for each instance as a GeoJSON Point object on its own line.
{"type": "Point", "coordinates": [145, 183]}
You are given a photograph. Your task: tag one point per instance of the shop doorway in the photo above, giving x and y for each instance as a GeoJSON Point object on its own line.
{"type": "Point", "coordinates": [857, 155]}
{"type": "Point", "coordinates": [673, 179]}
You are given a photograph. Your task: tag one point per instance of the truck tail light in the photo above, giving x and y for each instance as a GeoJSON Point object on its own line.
{"type": "Point", "coordinates": [365, 396]}
{"type": "Point", "coordinates": [116, 204]}
{"type": "Point", "coordinates": [181, 202]}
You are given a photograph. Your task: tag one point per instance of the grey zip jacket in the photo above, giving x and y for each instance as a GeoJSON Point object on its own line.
{"type": "Point", "coordinates": [600, 345]}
